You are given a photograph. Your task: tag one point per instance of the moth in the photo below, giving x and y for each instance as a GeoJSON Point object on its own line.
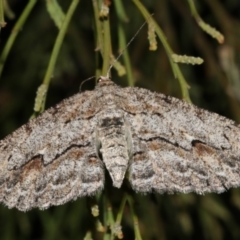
{"type": "Point", "coordinates": [160, 143]}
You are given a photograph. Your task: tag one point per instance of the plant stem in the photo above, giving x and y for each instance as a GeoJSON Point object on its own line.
{"type": "Point", "coordinates": [107, 49]}
{"type": "Point", "coordinates": [17, 27]}
{"type": "Point", "coordinates": [59, 41]}
{"type": "Point", "coordinates": [176, 70]}
{"type": "Point", "coordinates": [135, 219]}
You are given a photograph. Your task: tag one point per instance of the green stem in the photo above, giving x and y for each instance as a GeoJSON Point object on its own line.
{"type": "Point", "coordinates": [193, 9]}
{"type": "Point", "coordinates": [2, 21]}
{"type": "Point", "coordinates": [54, 55]}
{"type": "Point", "coordinates": [120, 10]}
{"type": "Point", "coordinates": [107, 49]}
{"type": "Point", "coordinates": [177, 72]}
{"type": "Point", "coordinates": [122, 206]}
{"type": "Point", "coordinates": [135, 219]}
{"type": "Point", "coordinates": [106, 222]}
{"type": "Point", "coordinates": [59, 41]}
{"type": "Point", "coordinates": [99, 40]}
{"type": "Point", "coordinates": [204, 26]}
{"type": "Point", "coordinates": [8, 11]}
{"type": "Point", "coordinates": [17, 27]}
{"type": "Point", "coordinates": [122, 44]}
{"type": "Point", "coordinates": [99, 36]}
{"type": "Point", "coordinates": [110, 218]}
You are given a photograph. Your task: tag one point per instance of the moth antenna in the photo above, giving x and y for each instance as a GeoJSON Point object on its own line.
{"type": "Point", "coordinates": [80, 88]}
{"type": "Point", "coordinates": [122, 51]}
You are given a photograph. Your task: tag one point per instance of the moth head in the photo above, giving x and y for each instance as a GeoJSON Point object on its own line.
{"type": "Point", "coordinates": [104, 81]}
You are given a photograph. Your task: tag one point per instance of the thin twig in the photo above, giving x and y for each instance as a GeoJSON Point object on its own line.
{"type": "Point", "coordinates": [17, 27]}
{"type": "Point", "coordinates": [176, 70]}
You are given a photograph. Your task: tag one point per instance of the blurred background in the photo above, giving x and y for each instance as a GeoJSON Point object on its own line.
{"type": "Point", "coordinates": [214, 85]}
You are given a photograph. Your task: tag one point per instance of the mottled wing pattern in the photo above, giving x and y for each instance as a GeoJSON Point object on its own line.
{"type": "Point", "coordinates": [178, 147]}
{"type": "Point", "coordinates": [164, 144]}
{"type": "Point", "coordinates": [51, 159]}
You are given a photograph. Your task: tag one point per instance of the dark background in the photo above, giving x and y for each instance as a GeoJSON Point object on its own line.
{"type": "Point", "coordinates": [213, 87]}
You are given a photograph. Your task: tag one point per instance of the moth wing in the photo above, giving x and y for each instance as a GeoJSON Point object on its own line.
{"type": "Point", "coordinates": [178, 147]}
{"type": "Point", "coordinates": [51, 159]}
